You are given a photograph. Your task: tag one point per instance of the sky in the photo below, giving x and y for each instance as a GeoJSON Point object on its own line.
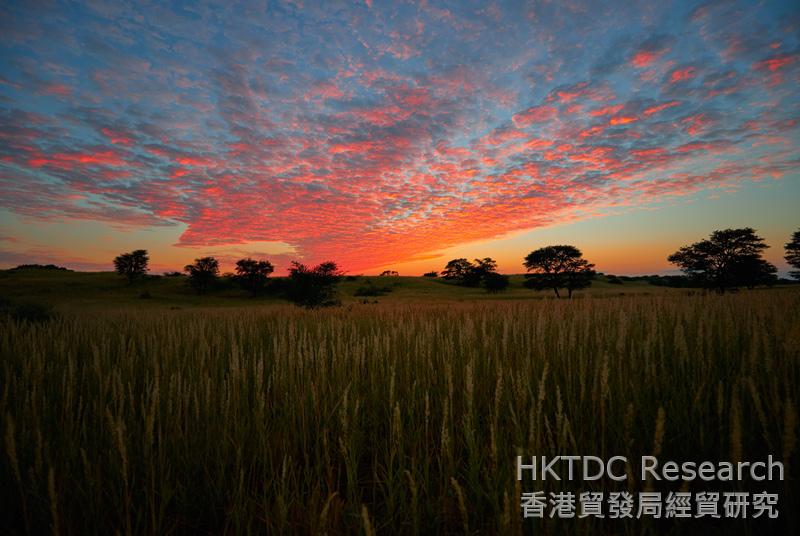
{"type": "Point", "coordinates": [394, 135]}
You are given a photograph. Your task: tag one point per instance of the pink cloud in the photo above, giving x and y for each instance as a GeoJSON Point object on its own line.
{"type": "Point", "coordinates": [534, 114]}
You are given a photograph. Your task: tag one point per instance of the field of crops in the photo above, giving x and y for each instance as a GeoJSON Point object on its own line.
{"type": "Point", "coordinates": [390, 418]}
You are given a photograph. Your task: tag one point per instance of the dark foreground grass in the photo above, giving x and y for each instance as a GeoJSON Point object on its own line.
{"type": "Point", "coordinates": [393, 418]}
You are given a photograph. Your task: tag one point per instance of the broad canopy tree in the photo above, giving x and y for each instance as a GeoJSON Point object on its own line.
{"type": "Point", "coordinates": [314, 286]}
{"type": "Point", "coordinates": [555, 267]}
{"type": "Point", "coordinates": [252, 274]}
{"type": "Point", "coordinates": [203, 273]}
{"type": "Point", "coordinates": [727, 259]}
{"type": "Point", "coordinates": [468, 273]}
{"type": "Point", "coordinates": [132, 265]}
{"type": "Point", "coordinates": [457, 269]}
{"type": "Point", "coordinates": [793, 254]}
{"type": "Point", "coordinates": [494, 282]}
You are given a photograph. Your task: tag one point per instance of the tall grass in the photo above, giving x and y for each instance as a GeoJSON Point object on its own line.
{"type": "Point", "coordinates": [380, 419]}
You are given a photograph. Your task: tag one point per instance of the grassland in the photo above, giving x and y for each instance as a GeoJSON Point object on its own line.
{"type": "Point", "coordinates": [400, 417]}
{"type": "Point", "coordinates": [102, 291]}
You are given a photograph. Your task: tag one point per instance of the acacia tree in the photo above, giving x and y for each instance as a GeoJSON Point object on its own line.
{"type": "Point", "coordinates": [728, 258]}
{"type": "Point", "coordinates": [132, 265]}
{"type": "Point", "coordinates": [494, 282]}
{"type": "Point", "coordinates": [314, 287]}
{"type": "Point", "coordinates": [558, 267]}
{"type": "Point", "coordinates": [793, 254]}
{"type": "Point", "coordinates": [457, 269]}
{"type": "Point", "coordinates": [469, 274]}
{"type": "Point", "coordinates": [480, 271]}
{"type": "Point", "coordinates": [252, 274]}
{"type": "Point", "coordinates": [203, 273]}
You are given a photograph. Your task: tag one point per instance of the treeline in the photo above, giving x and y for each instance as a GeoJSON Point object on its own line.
{"type": "Point", "coordinates": [308, 286]}
{"type": "Point", "coordinates": [41, 267]}
{"type": "Point", "coordinates": [727, 259]}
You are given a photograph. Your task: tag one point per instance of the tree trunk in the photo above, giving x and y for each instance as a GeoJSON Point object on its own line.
{"type": "Point", "coordinates": [557, 294]}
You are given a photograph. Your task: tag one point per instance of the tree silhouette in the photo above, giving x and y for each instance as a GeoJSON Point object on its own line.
{"type": "Point", "coordinates": [494, 282]}
{"type": "Point", "coordinates": [457, 269]}
{"type": "Point", "coordinates": [203, 273]}
{"type": "Point", "coordinates": [728, 258]}
{"type": "Point", "coordinates": [431, 274]}
{"type": "Point", "coordinates": [793, 254]}
{"type": "Point", "coordinates": [132, 265]}
{"type": "Point", "coordinates": [252, 274]}
{"type": "Point", "coordinates": [314, 287]}
{"type": "Point", "coordinates": [469, 274]}
{"type": "Point", "coordinates": [558, 267]}
{"type": "Point", "coordinates": [479, 271]}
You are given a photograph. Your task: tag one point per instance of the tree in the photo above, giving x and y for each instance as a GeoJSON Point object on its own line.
{"type": "Point", "coordinates": [457, 269]}
{"type": "Point", "coordinates": [203, 273]}
{"type": "Point", "coordinates": [751, 272]}
{"type": "Point", "coordinates": [132, 265]}
{"type": "Point", "coordinates": [252, 274]}
{"type": "Point", "coordinates": [314, 287]}
{"type": "Point", "coordinates": [469, 274]}
{"type": "Point", "coordinates": [479, 271]}
{"type": "Point", "coordinates": [793, 254]}
{"type": "Point", "coordinates": [431, 274]}
{"type": "Point", "coordinates": [558, 267]}
{"type": "Point", "coordinates": [389, 273]}
{"type": "Point", "coordinates": [727, 259]}
{"type": "Point", "coordinates": [494, 282]}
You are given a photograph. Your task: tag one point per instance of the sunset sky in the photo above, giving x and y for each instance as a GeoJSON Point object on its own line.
{"type": "Point", "coordinates": [394, 135]}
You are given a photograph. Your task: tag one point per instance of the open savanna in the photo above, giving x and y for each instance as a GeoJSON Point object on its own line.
{"type": "Point", "coordinates": [128, 415]}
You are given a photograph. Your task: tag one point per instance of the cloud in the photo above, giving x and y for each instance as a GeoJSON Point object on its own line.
{"type": "Point", "coordinates": [534, 114]}
{"type": "Point", "coordinates": [378, 134]}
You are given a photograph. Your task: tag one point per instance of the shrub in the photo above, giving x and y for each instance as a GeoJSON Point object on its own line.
{"type": "Point", "coordinates": [371, 289]}
{"type": "Point", "coordinates": [314, 287]}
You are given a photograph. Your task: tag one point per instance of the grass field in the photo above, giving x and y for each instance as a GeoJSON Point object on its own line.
{"type": "Point", "coordinates": [77, 291]}
{"type": "Point", "coordinates": [401, 417]}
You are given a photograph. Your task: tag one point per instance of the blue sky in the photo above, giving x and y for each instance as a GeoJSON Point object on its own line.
{"type": "Point", "coordinates": [394, 134]}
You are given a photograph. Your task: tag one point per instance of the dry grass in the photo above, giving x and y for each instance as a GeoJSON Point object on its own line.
{"type": "Point", "coordinates": [383, 419]}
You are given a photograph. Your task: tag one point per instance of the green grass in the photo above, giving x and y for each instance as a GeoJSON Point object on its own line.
{"type": "Point", "coordinates": [403, 417]}
{"type": "Point", "coordinates": [90, 291]}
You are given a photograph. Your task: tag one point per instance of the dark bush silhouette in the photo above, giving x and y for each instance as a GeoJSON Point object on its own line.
{"type": "Point", "coordinates": [727, 259]}
{"type": "Point", "coordinates": [173, 274]}
{"type": "Point", "coordinates": [41, 267]}
{"type": "Point", "coordinates": [370, 288]}
{"type": "Point", "coordinates": [614, 280]}
{"type": "Point", "coordinates": [202, 274]}
{"type": "Point", "coordinates": [314, 287]}
{"type": "Point", "coordinates": [252, 275]}
{"type": "Point", "coordinates": [468, 274]}
{"type": "Point", "coordinates": [27, 311]}
{"type": "Point", "coordinates": [430, 274]}
{"type": "Point", "coordinates": [132, 265]}
{"type": "Point", "coordinates": [494, 282]}
{"type": "Point", "coordinates": [555, 267]}
{"type": "Point", "coordinates": [457, 269]}
{"type": "Point", "coordinates": [793, 254]}
{"type": "Point", "coordinates": [389, 273]}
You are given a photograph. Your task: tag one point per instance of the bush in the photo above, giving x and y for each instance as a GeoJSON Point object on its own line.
{"type": "Point", "coordinates": [494, 282]}
{"type": "Point", "coordinates": [371, 289]}
{"type": "Point", "coordinates": [431, 274]}
{"type": "Point", "coordinates": [41, 267]}
{"type": "Point", "coordinates": [35, 312]}
{"type": "Point", "coordinates": [314, 287]}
